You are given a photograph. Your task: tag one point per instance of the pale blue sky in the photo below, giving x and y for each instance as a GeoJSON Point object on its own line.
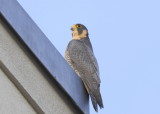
{"type": "Point", "coordinates": [125, 35]}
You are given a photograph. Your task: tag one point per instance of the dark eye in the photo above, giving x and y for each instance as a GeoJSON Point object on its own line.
{"type": "Point", "coordinates": [78, 26]}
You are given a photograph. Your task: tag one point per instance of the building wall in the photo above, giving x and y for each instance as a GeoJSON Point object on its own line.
{"type": "Point", "coordinates": [11, 100]}
{"type": "Point", "coordinates": [24, 84]}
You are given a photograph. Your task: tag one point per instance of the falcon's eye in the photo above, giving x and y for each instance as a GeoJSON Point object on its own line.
{"type": "Point", "coordinates": [78, 26]}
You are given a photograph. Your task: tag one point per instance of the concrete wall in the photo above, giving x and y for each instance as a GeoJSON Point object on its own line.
{"type": "Point", "coordinates": [25, 86]}
{"type": "Point", "coordinates": [11, 100]}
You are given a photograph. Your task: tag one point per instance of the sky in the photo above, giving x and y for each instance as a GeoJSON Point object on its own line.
{"type": "Point", "coordinates": [125, 35]}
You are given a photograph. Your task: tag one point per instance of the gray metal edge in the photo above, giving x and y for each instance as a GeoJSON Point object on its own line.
{"type": "Point", "coordinates": [44, 50]}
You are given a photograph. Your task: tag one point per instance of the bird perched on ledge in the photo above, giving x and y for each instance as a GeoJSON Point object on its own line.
{"type": "Point", "coordinates": [79, 54]}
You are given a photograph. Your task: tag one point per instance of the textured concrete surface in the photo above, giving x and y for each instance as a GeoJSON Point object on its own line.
{"type": "Point", "coordinates": [29, 78]}
{"type": "Point", "coordinates": [11, 100]}
{"type": "Point", "coordinates": [44, 50]}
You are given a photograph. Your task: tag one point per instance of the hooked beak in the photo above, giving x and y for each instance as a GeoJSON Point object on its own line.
{"type": "Point", "coordinates": [73, 27]}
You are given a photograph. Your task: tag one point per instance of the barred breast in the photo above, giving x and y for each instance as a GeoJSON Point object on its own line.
{"type": "Point", "coordinates": [70, 62]}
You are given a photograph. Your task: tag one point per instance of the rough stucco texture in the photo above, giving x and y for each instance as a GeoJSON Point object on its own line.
{"type": "Point", "coordinates": [11, 100]}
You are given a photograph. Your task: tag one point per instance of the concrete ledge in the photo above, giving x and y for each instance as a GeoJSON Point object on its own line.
{"type": "Point", "coordinates": [45, 52]}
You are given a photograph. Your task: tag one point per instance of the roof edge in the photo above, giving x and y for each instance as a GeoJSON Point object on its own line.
{"type": "Point", "coordinates": [45, 52]}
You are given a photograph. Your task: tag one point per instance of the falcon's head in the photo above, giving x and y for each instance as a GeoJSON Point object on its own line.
{"type": "Point", "coordinates": [79, 31]}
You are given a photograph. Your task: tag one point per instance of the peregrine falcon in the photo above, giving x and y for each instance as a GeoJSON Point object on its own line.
{"type": "Point", "coordinates": [79, 54]}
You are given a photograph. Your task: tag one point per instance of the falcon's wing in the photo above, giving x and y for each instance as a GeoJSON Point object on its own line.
{"type": "Point", "coordinates": [83, 60]}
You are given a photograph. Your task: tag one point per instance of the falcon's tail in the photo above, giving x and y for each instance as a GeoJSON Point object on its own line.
{"type": "Point", "coordinates": [97, 100]}
{"type": "Point", "coordinates": [95, 97]}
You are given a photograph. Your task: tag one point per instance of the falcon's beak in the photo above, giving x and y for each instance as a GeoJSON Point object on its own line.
{"type": "Point", "coordinates": [73, 27]}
